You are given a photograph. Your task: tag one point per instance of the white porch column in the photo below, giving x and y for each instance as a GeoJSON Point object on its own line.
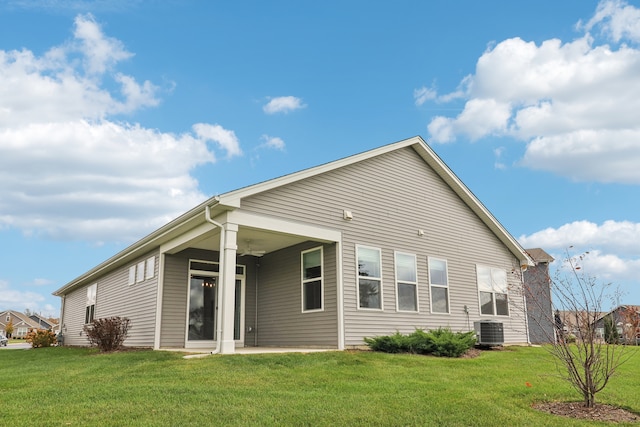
{"type": "Point", "coordinates": [228, 283]}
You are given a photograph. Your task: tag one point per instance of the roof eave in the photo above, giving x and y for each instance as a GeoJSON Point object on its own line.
{"type": "Point", "coordinates": [142, 246]}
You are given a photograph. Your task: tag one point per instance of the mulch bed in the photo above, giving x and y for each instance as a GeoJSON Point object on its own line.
{"type": "Point", "coordinates": [579, 411]}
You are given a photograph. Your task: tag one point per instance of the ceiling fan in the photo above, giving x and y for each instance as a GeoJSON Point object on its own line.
{"type": "Point", "coordinates": [249, 251]}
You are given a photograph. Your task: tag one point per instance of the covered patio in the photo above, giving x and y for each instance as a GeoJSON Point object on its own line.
{"type": "Point", "coordinates": [239, 243]}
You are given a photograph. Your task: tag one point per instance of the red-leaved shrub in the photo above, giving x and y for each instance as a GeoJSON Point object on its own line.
{"type": "Point", "coordinates": [108, 334]}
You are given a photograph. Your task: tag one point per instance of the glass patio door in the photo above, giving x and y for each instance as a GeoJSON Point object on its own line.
{"type": "Point", "coordinates": [202, 308]}
{"type": "Point", "coordinates": [203, 292]}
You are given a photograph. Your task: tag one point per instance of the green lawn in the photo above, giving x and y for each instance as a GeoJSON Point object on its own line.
{"type": "Point", "coordinates": [79, 387]}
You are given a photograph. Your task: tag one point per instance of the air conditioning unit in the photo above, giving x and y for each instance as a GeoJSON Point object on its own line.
{"type": "Point", "coordinates": [489, 333]}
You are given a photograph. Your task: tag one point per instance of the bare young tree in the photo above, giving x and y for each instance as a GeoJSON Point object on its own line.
{"type": "Point", "coordinates": [582, 356]}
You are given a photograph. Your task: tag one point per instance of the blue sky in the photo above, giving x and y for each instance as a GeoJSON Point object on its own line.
{"type": "Point", "coordinates": [117, 116]}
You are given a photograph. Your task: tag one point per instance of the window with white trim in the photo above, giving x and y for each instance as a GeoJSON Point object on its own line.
{"type": "Point", "coordinates": [132, 275]}
{"type": "Point", "coordinates": [91, 303]}
{"type": "Point", "coordinates": [439, 285]}
{"type": "Point", "coordinates": [151, 267]}
{"type": "Point", "coordinates": [492, 291]}
{"type": "Point", "coordinates": [312, 289]}
{"type": "Point", "coordinates": [406, 282]}
{"type": "Point", "coordinates": [369, 277]}
{"type": "Point", "coordinates": [143, 270]}
{"type": "Point", "coordinates": [140, 272]}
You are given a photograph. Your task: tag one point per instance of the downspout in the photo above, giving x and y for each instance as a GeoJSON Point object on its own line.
{"type": "Point", "coordinates": [62, 324]}
{"type": "Point", "coordinates": [221, 281]}
{"type": "Point", "coordinates": [524, 301]}
{"type": "Point", "coordinates": [255, 322]}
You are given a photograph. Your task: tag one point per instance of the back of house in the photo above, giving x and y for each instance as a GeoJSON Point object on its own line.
{"type": "Point", "coordinates": [383, 241]}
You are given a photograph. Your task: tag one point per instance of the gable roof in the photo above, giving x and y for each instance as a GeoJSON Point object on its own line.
{"type": "Point", "coordinates": [539, 255]}
{"type": "Point", "coordinates": [619, 309]}
{"type": "Point", "coordinates": [24, 319]}
{"type": "Point", "coordinates": [42, 321]}
{"type": "Point", "coordinates": [232, 200]}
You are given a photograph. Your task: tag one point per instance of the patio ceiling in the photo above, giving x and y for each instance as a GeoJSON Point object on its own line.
{"type": "Point", "coordinates": [251, 239]}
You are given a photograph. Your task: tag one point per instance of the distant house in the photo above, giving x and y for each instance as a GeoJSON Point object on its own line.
{"type": "Point", "coordinates": [383, 241]}
{"type": "Point", "coordinates": [44, 322]}
{"type": "Point", "coordinates": [22, 324]}
{"type": "Point", "coordinates": [625, 318]}
{"type": "Point", "coordinates": [540, 316]}
{"type": "Point", "coordinates": [576, 323]}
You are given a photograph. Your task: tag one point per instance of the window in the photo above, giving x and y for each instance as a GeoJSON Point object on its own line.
{"type": "Point", "coordinates": [312, 280]}
{"type": "Point", "coordinates": [369, 278]}
{"type": "Point", "coordinates": [492, 288]}
{"type": "Point", "coordinates": [140, 272]}
{"type": "Point", "coordinates": [406, 282]}
{"type": "Point", "coordinates": [132, 275]}
{"type": "Point", "coordinates": [151, 267]}
{"type": "Point", "coordinates": [439, 285]}
{"type": "Point", "coordinates": [91, 303]}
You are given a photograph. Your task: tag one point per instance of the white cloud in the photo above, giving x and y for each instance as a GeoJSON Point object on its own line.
{"type": "Point", "coordinates": [100, 52]}
{"type": "Point", "coordinates": [283, 104]}
{"type": "Point", "coordinates": [272, 142]}
{"type": "Point", "coordinates": [618, 20]}
{"type": "Point", "coordinates": [73, 5]}
{"type": "Point", "coordinates": [66, 170]}
{"type": "Point", "coordinates": [226, 139]}
{"type": "Point", "coordinates": [613, 250]}
{"type": "Point", "coordinates": [41, 282]}
{"type": "Point", "coordinates": [575, 104]}
{"type": "Point", "coordinates": [498, 164]}
{"type": "Point", "coordinates": [19, 300]}
{"type": "Point", "coordinates": [613, 236]}
{"type": "Point", "coordinates": [605, 156]}
{"type": "Point", "coordinates": [96, 180]}
{"type": "Point", "coordinates": [54, 88]}
{"type": "Point", "coordinates": [423, 95]}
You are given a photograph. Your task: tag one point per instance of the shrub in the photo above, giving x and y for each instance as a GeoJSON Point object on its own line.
{"type": "Point", "coordinates": [396, 343]}
{"type": "Point", "coordinates": [107, 334]}
{"type": "Point", "coordinates": [420, 342]}
{"type": "Point", "coordinates": [447, 343]}
{"type": "Point", "coordinates": [439, 342]}
{"type": "Point", "coordinates": [41, 338]}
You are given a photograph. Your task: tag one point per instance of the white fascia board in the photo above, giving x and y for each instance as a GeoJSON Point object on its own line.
{"type": "Point", "coordinates": [146, 244]}
{"type": "Point", "coordinates": [185, 239]}
{"type": "Point", "coordinates": [279, 225]}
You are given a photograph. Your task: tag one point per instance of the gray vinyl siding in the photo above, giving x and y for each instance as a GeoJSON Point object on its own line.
{"type": "Point", "coordinates": [175, 294]}
{"type": "Point", "coordinates": [174, 301]}
{"type": "Point", "coordinates": [391, 197]}
{"type": "Point", "coordinates": [115, 297]}
{"type": "Point", "coordinates": [281, 321]}
{"type": "Point", "coordinates": [250, 299]}
{"type": "Point", "coordinates": [73, 321]}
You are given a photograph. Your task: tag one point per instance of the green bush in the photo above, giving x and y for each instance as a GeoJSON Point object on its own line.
{"type": "Point", "coordinates": [396, 343]}
{"type": "Point", "coordinates": [420, 342]}
{"type": "Point", "coordinates": [41, 338]}
{"type": "Point", "coordinates": [107, 334]}
{"type": "Point", "coordinates": [438, 342]}
{"type": "Point", "coordinates": [447, 343]}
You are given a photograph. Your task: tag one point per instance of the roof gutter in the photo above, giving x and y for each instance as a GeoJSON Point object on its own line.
{"type": "Point", "coordinates": [137, 248]}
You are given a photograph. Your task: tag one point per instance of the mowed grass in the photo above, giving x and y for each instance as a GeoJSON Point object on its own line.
{"type": "Point", "coordinates": [79, 387]}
